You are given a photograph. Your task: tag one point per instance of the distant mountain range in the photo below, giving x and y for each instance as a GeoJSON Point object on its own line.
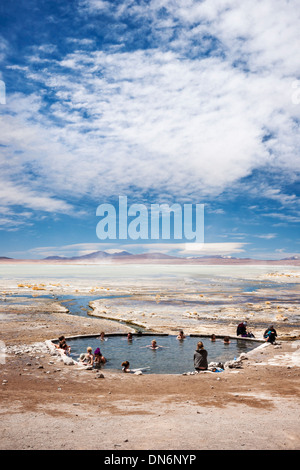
{"type": "Point", "coordinates": [124, 257]}
{"type": "Point", "coordinates": [99, 255]}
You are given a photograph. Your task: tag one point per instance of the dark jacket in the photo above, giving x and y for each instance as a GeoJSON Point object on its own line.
{"type": "Point", "coordinates": [241, 330]}
{"type": "Point", "coordinates": [200, 359]}
{"type": "Point", "coordinates": [270, 334]}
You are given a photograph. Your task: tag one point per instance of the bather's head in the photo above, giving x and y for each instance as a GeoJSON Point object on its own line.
{"type": "Point", "coordinates": [125, 365]}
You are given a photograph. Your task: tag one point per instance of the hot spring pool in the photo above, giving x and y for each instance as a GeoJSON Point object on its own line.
{"type": "Point", "coordinates": [176, 357]}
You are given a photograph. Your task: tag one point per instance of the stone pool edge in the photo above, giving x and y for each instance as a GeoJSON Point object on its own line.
{"type": "Point", "coordinates": [235, 363]}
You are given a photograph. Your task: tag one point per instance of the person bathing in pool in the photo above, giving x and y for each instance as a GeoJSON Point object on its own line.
{"type": "Point", "coordinates": [87, 358]}
{"type": "Point", "coordinates": [154, 345]}
{"type": "Point", "coordinates": [125, 368]}
{"type": "Point", "coordinates": [63, 345]}
{"type": "Point", "coordinates": [181, 336]}
{"type": "Point", "coordinates": [99, 358]}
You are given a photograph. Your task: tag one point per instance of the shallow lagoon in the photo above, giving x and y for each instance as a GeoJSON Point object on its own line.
{"type": "Point", "coordinates": [142, 271]}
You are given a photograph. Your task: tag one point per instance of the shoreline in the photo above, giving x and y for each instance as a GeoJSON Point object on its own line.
{"type": "Point", "coordinates": [148, 261]}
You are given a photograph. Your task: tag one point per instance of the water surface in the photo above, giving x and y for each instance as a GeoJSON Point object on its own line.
{"type": "Point", "coordinates": [175, 357]}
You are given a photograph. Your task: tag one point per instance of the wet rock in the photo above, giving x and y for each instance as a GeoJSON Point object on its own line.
{"type": "Point", "coordinates": [243, 357]}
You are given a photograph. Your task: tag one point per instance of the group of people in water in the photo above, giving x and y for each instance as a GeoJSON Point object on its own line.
{"type": "Point", "coordinates": [96, 358]}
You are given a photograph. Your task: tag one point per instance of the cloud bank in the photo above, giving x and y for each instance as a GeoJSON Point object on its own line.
{"type": "Point", "coordinates": [179, 100]}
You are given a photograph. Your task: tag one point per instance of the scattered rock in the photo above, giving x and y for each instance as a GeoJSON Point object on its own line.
{"type": "Point", "coordinates": [235, 364]}
{"type": "Point", "coordinates": [99, 375]}
{"type": "Point", "coordinates": [243, 357]}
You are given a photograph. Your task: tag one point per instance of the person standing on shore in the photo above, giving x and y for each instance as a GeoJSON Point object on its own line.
{"type": "Point", "coordinates": [200, 358]}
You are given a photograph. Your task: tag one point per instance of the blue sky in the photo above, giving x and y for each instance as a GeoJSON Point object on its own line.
{"type": "Point", "coordinates": [162, 101]}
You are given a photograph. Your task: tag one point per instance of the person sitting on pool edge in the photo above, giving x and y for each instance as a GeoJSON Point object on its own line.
{"type": "Point", "coordinates": [242, 330]}
{"type": "Point", "coordinates": [200, 358]}
{"type": "Point", "coordinates": [270, 334]}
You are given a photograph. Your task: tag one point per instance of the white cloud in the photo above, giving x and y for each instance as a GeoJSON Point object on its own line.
{"type": "Point", "coordinates": [95, 5]}
{"type": "Point", "coordinates": [290, 218]}
{"type": "Point", "coordinates": [267, 236]}
{"type": "Point", "coordinates": [15, 194]}
{"type": "Point", "coordinates": [206, 249]}
{"type": "Point", "coordinates": [176, 249]}
{"type": "Point", "coordinates": [160, 120]}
